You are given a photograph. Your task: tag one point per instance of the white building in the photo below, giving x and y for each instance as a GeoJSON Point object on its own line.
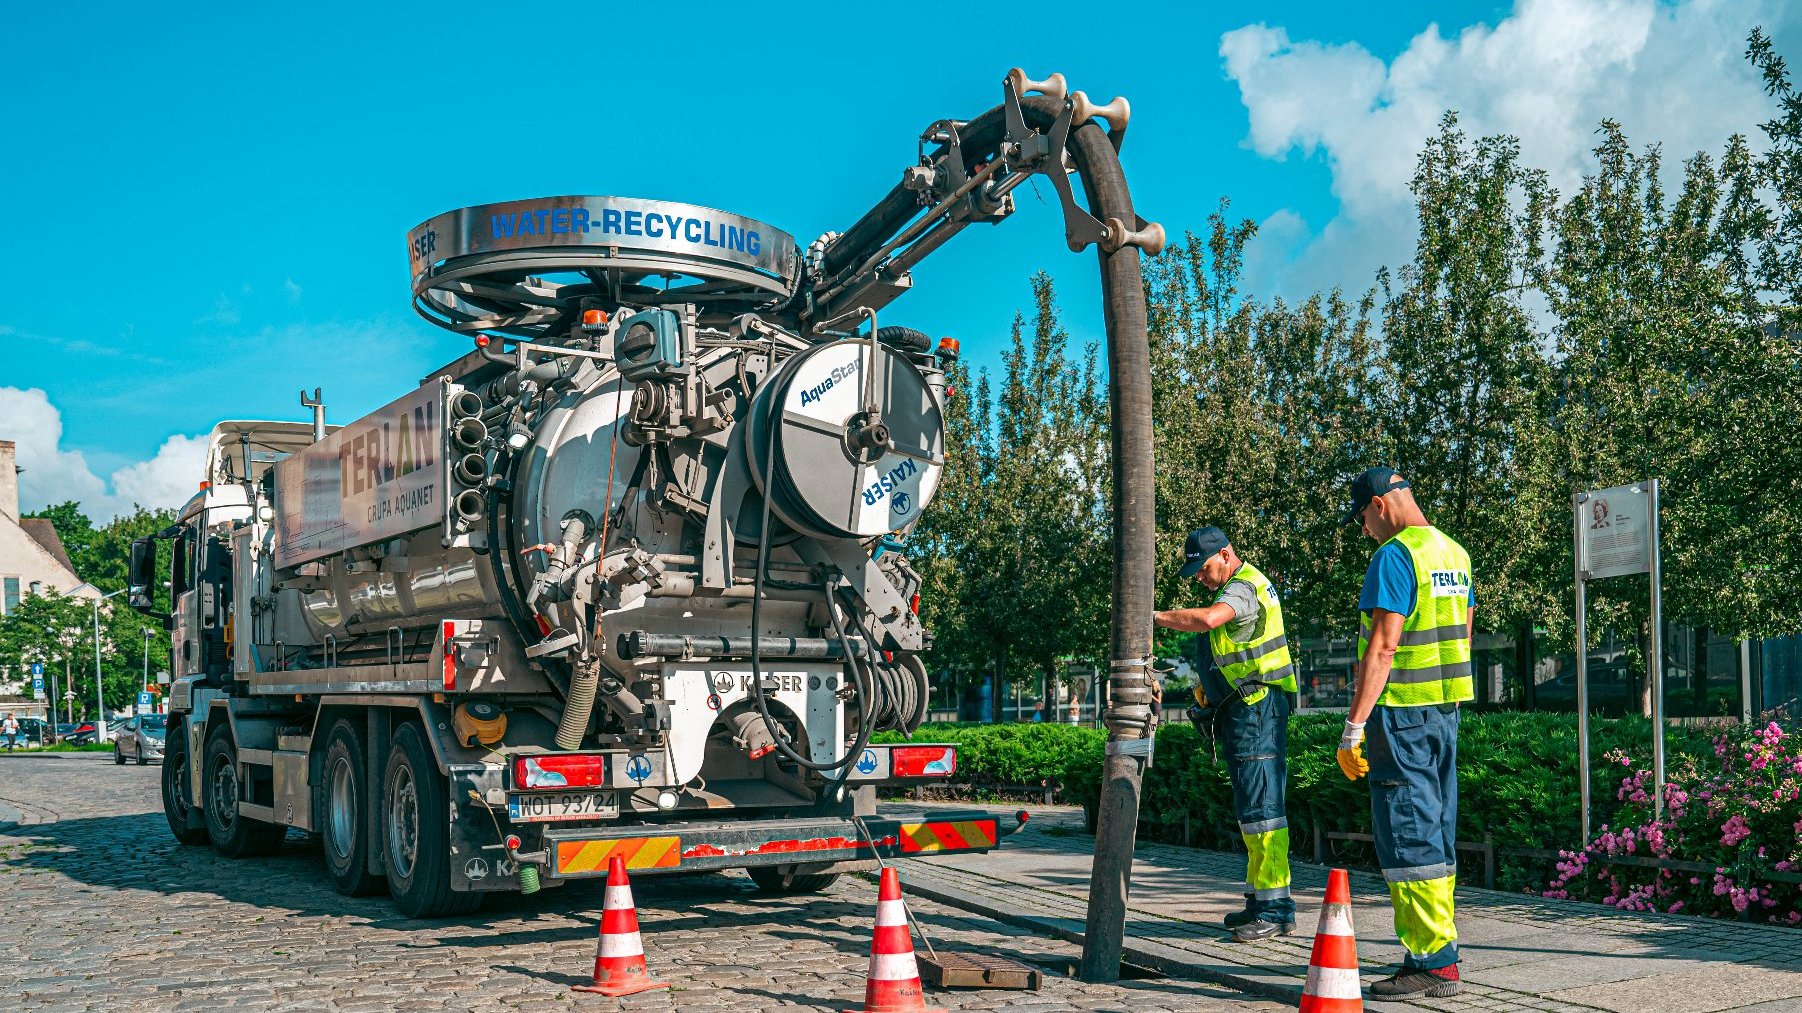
{"type": "Point", "coordinates": [32, 561]}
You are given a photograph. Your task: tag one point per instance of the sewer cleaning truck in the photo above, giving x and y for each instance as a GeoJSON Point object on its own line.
{"type": "Point", "coordinates": [628, 579]}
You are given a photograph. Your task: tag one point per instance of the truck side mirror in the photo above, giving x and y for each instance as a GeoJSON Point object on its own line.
{"type": "Point", "coordinates": [141, 578]}
{"type": "Point", "coordinates": [141, 575]}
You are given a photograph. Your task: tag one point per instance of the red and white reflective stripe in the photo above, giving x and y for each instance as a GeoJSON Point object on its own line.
{"type": "Point", "coordinates": [894, 967]}
{"type": "Point", "coordinates": [450, 656]}
{"type": "Point", "coordinates": [1332, 983]}
{"type": "Point", "coordinates": [1335, 920]}
{"type": "Point", "coordinates": [621, 944]}
{"type": "Point", "coordinates": [891, 913]}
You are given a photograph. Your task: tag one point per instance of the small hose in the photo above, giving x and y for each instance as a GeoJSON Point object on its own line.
{"type": "Point", "coordinates": [763, 707]}
{"type": "Point", "coordinates": [579, 705]}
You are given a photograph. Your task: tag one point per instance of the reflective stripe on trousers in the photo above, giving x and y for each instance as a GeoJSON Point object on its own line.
{"type": "Point", "coordinates": [1256, 746]}
{"type": "Point", "coordinates": [1413, 754]}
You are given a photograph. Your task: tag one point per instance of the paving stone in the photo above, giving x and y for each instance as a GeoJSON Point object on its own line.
{"type": "Point", "coordinates": [103, 911]}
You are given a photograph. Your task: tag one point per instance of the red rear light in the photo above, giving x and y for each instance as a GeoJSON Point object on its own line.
{"type": "Point", "coordinates": [923, 761]}
{"type": "Point", "coordinates": [560, 770]}
{"type": "Point", "coordinates": [450, 657]}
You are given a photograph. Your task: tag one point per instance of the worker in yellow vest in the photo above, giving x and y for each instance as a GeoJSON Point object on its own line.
{"type": "Point", "coordinates": [1416, 613]}
{"type": "Point", "coordinates": [1255, 691]}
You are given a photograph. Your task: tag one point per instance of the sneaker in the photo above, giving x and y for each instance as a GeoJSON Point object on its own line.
{"type": "Point", "coordinates": [1435, 984]}
{"type": "Point", "coordinates": [1259, 930]}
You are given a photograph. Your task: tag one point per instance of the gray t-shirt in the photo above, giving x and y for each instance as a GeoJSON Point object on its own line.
{"type": "Point", "coordinates": [1248, 618]}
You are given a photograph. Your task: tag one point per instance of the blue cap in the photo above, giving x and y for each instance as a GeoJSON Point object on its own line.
{"type": "Point", "coordinates": [1371, 483]}
{"type": "Point", "coordinates": [1202, 543]}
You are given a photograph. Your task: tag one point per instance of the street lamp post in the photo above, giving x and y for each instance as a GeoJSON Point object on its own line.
{"type": "Point", "coordinates": [99, 700]}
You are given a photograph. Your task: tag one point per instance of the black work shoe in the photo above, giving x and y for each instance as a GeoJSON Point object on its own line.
{"type": "Point", "coordinates": [1259, 930]}
{"type": "Point", "coordinates": [1435, 984]}
{"type": "Point", "coordinates": [1243, 917]}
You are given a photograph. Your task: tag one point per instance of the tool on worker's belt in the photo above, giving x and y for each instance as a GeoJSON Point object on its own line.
{"type": "Point", "coordinates": [1205, 716]}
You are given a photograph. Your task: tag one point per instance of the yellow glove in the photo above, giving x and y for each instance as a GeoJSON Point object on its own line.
{"type": "Point", "coordinates": [1201, 696]}
{"type": "Point", "coordinates": [1351, 751]}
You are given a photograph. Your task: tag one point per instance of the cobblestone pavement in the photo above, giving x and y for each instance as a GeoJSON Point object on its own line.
{"type": "Point", "coordinates": [101, 909]}
{"type": "Point", "coordinates": [1520, 952]}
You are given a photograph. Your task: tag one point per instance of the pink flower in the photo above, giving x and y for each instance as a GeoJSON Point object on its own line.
{"type": "Point", "coordinates": [1674, 908]}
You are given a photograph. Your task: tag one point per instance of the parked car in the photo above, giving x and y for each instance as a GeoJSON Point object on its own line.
{"type": "Point", "coordinates": [140, 738]}
{"type": "Point", "coordinates": [80, 734]}
{"type": "Point", "coordinates": [32, 731]}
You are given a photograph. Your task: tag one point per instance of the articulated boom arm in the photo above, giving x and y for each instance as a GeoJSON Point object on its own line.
{"type": "Point", "coordinates": [968, 177]}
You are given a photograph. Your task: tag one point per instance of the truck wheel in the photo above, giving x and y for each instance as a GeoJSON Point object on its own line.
{"type": "Point", "coordinates": [344, 830]}
{"type": "Point", "coordinates": [770, 879]}
{"type": "Point", "coordinates": [415, 831]}
{"type": "Point", "coordinates": [234, 834]}
{"type": "Point", "coordinates": [176, 804]}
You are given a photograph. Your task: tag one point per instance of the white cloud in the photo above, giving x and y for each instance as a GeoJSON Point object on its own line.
{"type": "Point", "coordinates": [53, 475]}
{"type": "Point", "coordinates": [225, 312]}
{"type": "Point", "coordinates": [292, 289]}
{"type": "Point", "coordinates": [1547, 73]}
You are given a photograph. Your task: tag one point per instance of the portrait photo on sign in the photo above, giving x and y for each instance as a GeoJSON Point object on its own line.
{"type": "Point", "coordinates": [1599, 512]}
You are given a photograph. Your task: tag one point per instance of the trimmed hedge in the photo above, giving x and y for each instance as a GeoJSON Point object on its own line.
{"type": "Point", "coordinates": [1517, 776]}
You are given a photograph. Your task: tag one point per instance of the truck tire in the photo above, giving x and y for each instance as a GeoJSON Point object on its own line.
{"type": "Point", "coordinates": [343, 829]}
{"type": "Point", "coordinates": [233, 834]}
{"type": "Point", "coordinates": [176, 804]}
{"type": "Point", "coordinates": [770, 879]}
{"type": "Point", "coordinates": [415, 831]}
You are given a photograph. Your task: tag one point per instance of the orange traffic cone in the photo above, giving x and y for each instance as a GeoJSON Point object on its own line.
{"type": "Point", "coordinates": [619, 967]}
{"type": "Point", "coordinates": [893, 985]}
{"type": "Point", "coordinates": [1332, 985]}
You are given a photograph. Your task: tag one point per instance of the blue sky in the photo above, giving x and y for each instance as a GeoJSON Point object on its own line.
{"type": "Point", "coordinates": [210, 205]}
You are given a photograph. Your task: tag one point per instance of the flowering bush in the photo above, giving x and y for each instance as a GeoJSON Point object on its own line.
{"type": "Point", "coordinates": [1739, 814]}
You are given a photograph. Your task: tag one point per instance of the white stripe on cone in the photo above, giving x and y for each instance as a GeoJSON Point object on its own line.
{"type": "Point", "coordinates": [1335, 920]}
{"type": "Point", "coordinates": [617, 898]}
{"type": "Point", "coordinates": [1332, 983]}
{"type": "Point", "coordinates": [894, 967]}
{"type": "Point", "coordinates": [890, 912]}
{"type": "Point", "coordinates": [621, 944]}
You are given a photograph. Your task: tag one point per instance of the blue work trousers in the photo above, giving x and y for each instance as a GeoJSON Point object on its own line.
{"type": "Point", "coordinates": [1257, 741]}
{"type": "Point", "coordinates": [1413, 754]}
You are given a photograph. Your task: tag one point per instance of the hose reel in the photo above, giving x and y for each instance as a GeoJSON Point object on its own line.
{"type": "Point", "coordinates": [838, 469]}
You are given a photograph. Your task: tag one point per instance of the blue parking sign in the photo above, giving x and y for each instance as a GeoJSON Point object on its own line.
{"type": "Point", "coordinates": [146, 701]}
{"type": "Point", "coordinates": [37, 687]}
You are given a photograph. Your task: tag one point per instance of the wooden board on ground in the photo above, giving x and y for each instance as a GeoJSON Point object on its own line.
{"type": "Point", "coordinates": [978, 970]}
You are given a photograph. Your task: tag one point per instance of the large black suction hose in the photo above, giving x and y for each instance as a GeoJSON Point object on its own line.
{"type": "Point", "coordinates": [1129, 388]}
{"type": "Point", "coordinates": [1130, 690]}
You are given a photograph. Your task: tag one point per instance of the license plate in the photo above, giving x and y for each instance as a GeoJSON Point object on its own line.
{"type": "Point", "coordinates": [547, 806]}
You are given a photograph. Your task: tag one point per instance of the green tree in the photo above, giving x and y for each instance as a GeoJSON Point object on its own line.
{"type": "Point", "coordinates": [1463, 396]}
{"type": "Point", "coordinates": [1263, 411]}
{"type": "Point", "coordinates": [1014, 545]}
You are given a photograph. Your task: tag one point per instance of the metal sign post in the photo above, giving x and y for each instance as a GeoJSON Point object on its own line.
{"type": "Point", "coordinates": [1615, 532]}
